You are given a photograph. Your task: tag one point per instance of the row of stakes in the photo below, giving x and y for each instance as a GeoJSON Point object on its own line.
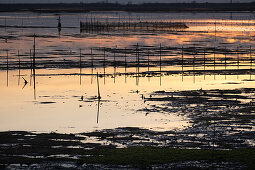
{"type": "Point", "coordinates": [138, 57]}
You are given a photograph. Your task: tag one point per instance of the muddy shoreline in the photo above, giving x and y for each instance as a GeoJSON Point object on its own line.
{"type": "Point", "coordinates": [28, 150]}
{"type": "Point", "coordinates": [221, 125]}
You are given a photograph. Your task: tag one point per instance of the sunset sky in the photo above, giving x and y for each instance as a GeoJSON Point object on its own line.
{"type": "Point", "coordinates": [120, 1]}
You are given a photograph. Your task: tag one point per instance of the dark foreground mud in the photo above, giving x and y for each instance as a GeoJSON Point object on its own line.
{"type": "Point", "coordinates": [219, 118]}
{"type": "Point", "coordinates": [26, 150]}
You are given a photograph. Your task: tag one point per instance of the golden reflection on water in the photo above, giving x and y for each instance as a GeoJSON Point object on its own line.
{"type": "Point", "coordinates": [120, 102]}
{"type": "Point", "coordinates": [200, 32]}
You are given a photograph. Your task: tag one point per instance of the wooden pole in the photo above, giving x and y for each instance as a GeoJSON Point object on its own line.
{"type": "Point", "coordinates": [104, 57]}
{"type": "Point", "coordinates": [250, 62]}
{"type": "Point", "coordinates": [148, 60]}
{"type": "Point", "coordinates": [125, 54]}
{"type": "Point", "coordinates": [138, 55]}
{"type": "Point", "coordinates": [114, 55]}
{"type": "Point", "coordinates": [104, 65]}
{"type": "Point", "coordinates": [19, 59]}
{"type": "Point", "coordinates": [204, 64]}
{"type": "Point", "coordinates": [98, 89]}
{"type": "Point", "coordinates": [34, 69]}
{"type": "Point", "coordinates": [182, 63]}
{"type": "Point", "coordinates": [160, 54]}
{"type": "Point", "coordinates": [34, 54]}
{"type": "Point", "coordinates": [92, 58]}
{"type": "Point", "coordinates": [19, 68]}
{"type": "Point", "coordinates": [7, 70]}
{"type": "Point", "coordinates": [214, 55]}
{"type": "Point", "coordinates": [225, 58]}
{"type": "Point", "coordinates": [80, 66]}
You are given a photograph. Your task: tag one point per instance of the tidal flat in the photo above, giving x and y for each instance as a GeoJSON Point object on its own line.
{"type": "Point", "coordinates": [124, 93]}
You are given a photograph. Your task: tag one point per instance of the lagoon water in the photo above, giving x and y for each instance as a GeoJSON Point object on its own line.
{"type": "Point", "coordinates": [52, 98]}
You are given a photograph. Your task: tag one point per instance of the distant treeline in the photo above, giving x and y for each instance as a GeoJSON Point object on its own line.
{"type": "Point", "coordinates": [146, 7]}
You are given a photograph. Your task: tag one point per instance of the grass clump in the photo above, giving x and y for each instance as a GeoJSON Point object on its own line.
{"type": "Point", "coordinates": [146, 156]}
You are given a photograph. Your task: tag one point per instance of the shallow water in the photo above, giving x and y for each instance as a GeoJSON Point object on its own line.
{"type": "Point", "coordinates": [53, 101]}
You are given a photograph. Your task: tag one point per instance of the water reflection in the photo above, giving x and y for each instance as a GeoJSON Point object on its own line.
{"type": "Point", "coordinates": [121, 100]}
{"type": "Point", "coordinates": [98, 110]}
{"type": "Point", "coordinates": [64, 65]}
